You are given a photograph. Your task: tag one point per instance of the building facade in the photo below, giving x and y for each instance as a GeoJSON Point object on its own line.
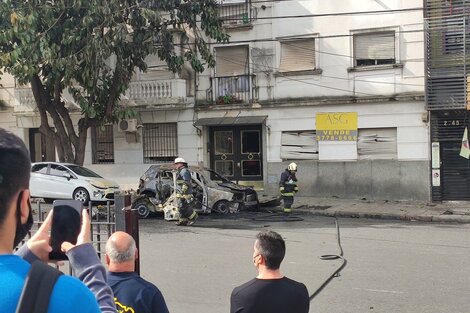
{"type": "Point", "coordinates": [336, 87]}
{"type": "Point", "coordinates": [447, 87]}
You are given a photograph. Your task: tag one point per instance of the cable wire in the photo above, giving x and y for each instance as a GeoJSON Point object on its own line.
{"type": "Point", "coordinates": [330, 257]}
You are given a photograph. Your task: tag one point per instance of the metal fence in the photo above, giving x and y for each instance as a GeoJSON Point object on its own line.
{"type": "Point", "coordinates": [232, 89]}
{"type": "Point", "coordinates": [236, 13]}
{"type": "Point", "coordinates": [103, 223]}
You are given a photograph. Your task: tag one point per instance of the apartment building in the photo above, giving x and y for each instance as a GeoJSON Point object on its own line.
{"type": "Point", "coordinates": [335, 86]}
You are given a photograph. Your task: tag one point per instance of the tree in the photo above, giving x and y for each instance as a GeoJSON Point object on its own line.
{"type": "Point", "coordinates": [92, 48]}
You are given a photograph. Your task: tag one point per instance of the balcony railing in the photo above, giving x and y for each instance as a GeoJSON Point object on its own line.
{"type": "Point", "coordinates": [232, 89]}
{"type": "Point", "coordinates": [235, 12]}
{"type": "Point", "coordinates": [139, 92]}
{"type": "Point", "coordinates": [24, 100]}
{"type": "Point", "coordinates": [157, 89]}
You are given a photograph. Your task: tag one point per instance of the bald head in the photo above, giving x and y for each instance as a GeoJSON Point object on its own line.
{"type": "Point", "coordinates": [121, 248]}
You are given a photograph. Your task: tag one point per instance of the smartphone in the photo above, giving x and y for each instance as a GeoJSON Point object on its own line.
{"type": "Point", "coordinates": [66, 225]}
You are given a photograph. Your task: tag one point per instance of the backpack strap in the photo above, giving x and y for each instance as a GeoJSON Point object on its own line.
{"type": "Point", "coordinates": [37, 288]}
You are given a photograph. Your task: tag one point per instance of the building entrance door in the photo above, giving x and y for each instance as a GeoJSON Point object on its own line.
{"type": "Point", "coordinates": [236, 152]}
{"type": "Point", "coordinates": [447, 128]}
{"type": "Point", "coordinates": [41, 149]}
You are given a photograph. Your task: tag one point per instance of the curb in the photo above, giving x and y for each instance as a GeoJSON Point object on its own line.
{"type": "Point", "coordinates": [390, 216]}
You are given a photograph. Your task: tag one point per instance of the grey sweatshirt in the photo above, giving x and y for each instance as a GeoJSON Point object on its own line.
{"type": "Point", "coordinates": [87, 267]}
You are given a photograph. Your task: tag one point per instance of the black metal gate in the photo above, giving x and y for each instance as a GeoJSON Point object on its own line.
{"type": "Point", "coordinates": [447, 129]}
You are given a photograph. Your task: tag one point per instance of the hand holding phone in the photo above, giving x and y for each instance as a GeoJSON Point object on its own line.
{"type": "Point", "coordinates": [66, 226]}
{"type": "Point", "coordinates": [83, 237]}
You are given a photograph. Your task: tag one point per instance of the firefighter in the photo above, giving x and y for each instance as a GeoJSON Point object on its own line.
{"type": "Point", "coordinates": [184, 194]}
{"type": "Point", "coordinates": [288, 186]}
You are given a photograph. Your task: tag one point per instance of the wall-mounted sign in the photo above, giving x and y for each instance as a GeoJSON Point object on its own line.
{"type": "Point", "coordinates": [435, 155]}
{"type": "Point", "coordinates": [436, 177]}
{"type": "Point", "coordinates": [336, 126]}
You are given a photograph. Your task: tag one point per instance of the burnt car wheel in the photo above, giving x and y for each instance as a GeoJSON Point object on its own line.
{"type": "Point", "coordinates": [142, 208]}
{"type": "Point", "coordinates": [222, 206]}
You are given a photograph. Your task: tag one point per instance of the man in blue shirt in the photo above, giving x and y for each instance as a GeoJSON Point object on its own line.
{"type": "Point", "coordinates": [69, 294]}
{"type": "Point", "coordinates": [132, 293]}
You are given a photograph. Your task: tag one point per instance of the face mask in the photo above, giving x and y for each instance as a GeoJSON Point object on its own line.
{"type": "Point", "coordinates": [22, 229]}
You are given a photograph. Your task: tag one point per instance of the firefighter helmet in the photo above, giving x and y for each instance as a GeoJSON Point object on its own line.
{"type": "Point", "coordinates": [179, 160]}
{"type": "Point", "coordinates": [292, 167]}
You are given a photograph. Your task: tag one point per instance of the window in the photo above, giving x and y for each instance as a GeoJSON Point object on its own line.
{"type": "Point", "coordinates": [58, 170]}
{"type": "Point", "coordinates": [377, 143]}
{"type": "Point", "coordinates": [235, 12]}
{"type": "Point", "coordinates": [231, 61]}
{"type": "Point", "coordinates": [232, 81]}
{"type": "Point", "coordinates": [299, 145]}
{"type": "Point", "coordinates": [102, 144]}
{"type": "Point", "coordinates": [297, 55]}
{"type": "Point", "coordinates": [160, 142]}
{"type": "Point", "coordinates": [376, 48]}
{"type": "Point", "coordinates": [40, 168]}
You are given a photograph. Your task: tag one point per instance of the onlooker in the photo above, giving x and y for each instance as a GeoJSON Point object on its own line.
{"type": "Point", "coordinates": [132, 293]}
{"type": "Point", "coordinates": [288, 186]}
{"type": "Point", "coordinates": [270, 291]}
{"type": "Point", "coordinates": [69, 294]}
{"type": "Point", "coordinates": [184, 193]}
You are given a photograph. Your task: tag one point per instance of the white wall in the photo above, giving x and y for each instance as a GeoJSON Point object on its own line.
{"type": "Point", "coordinates": [335, 48]}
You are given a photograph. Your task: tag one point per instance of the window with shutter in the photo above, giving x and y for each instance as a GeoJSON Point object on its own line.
{"type": "Point", "coordinates": [374, 48]}
{"type": "Point", "coordinates": [231, 61]}
{"type": "Point", "coordinates": [377, 143]}
{"type": "Point", "coordinates": [297, 55]}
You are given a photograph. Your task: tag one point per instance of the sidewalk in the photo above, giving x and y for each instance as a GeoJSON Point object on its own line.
{"type": "Point", "coordinates": [453, 212]}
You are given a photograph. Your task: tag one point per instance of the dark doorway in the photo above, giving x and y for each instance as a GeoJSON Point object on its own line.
{"type": "Point", "coordinates": [41, 149]}
{"type": "Point", "coordinates": [447, 128]}
{"type": "Point", "coordinates": [236, 152]}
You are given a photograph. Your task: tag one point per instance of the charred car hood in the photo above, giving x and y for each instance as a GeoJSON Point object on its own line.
{"type": "Point", "coordinates": [235, 187]}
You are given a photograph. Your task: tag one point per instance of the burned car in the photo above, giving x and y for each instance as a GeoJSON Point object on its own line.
{"type": "Point", "coordinates": [211, 191]}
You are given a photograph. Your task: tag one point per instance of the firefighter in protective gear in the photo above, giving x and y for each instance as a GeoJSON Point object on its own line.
{"type": "Point", "coordinates": [288, 186]}
{"type": "Point", "coordinates": [184, 194]}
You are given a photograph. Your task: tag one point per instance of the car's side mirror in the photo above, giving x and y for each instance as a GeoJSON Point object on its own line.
{"type": "Point", "coordinates": [68, 176]}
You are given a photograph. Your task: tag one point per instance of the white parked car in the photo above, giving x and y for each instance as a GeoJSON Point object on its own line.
{"type": "Point", "coordinates": [51, 180]}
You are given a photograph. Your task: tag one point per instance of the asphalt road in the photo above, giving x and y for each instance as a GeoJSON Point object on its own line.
{"type": "Point", "coordinates": [391, 266]}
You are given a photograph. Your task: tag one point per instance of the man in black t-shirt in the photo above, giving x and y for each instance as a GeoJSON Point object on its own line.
{"type": "Point", "coordinates": [270, 291]}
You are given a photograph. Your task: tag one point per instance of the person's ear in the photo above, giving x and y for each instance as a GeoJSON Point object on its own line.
{"type": "Point", "coordinates": [25, 206]}
{"type": "Point", "coordinates": [106, 259]}
{"type": "Point", "coordinates": [136, 256]}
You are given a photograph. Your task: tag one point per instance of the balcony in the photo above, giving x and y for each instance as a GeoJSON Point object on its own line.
{"type": "Point", "coordinates": [152, 92]}
{"type": "Point", "coordinates": [232, 90]}
{"type": "Point", "coordinates": [156, 92]}
{"type": "Point", "coordinates": [24, 100]}
{"type": "Point", "coordinates": [235, 13]}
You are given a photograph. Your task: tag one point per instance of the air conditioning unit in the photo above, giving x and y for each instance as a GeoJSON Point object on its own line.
{"type": "Point", "coordinates": [128, 125]}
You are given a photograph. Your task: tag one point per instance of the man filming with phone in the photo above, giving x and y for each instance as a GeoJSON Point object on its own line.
{"type": "Point", "coordinates": [69, 294]}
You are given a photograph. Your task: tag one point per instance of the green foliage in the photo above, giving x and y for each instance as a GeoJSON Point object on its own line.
{"type": "Point", "coordinates": [92, 48]}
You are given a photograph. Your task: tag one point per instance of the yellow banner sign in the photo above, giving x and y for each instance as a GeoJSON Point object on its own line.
{"type": "Point", "coordinates": [336, 126]}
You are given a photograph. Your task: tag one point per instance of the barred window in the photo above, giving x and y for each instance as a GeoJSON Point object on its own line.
{"type": "Point", "coordinates": [102, 144]}
{"type": "Point", "coordinates": [160, 142]}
